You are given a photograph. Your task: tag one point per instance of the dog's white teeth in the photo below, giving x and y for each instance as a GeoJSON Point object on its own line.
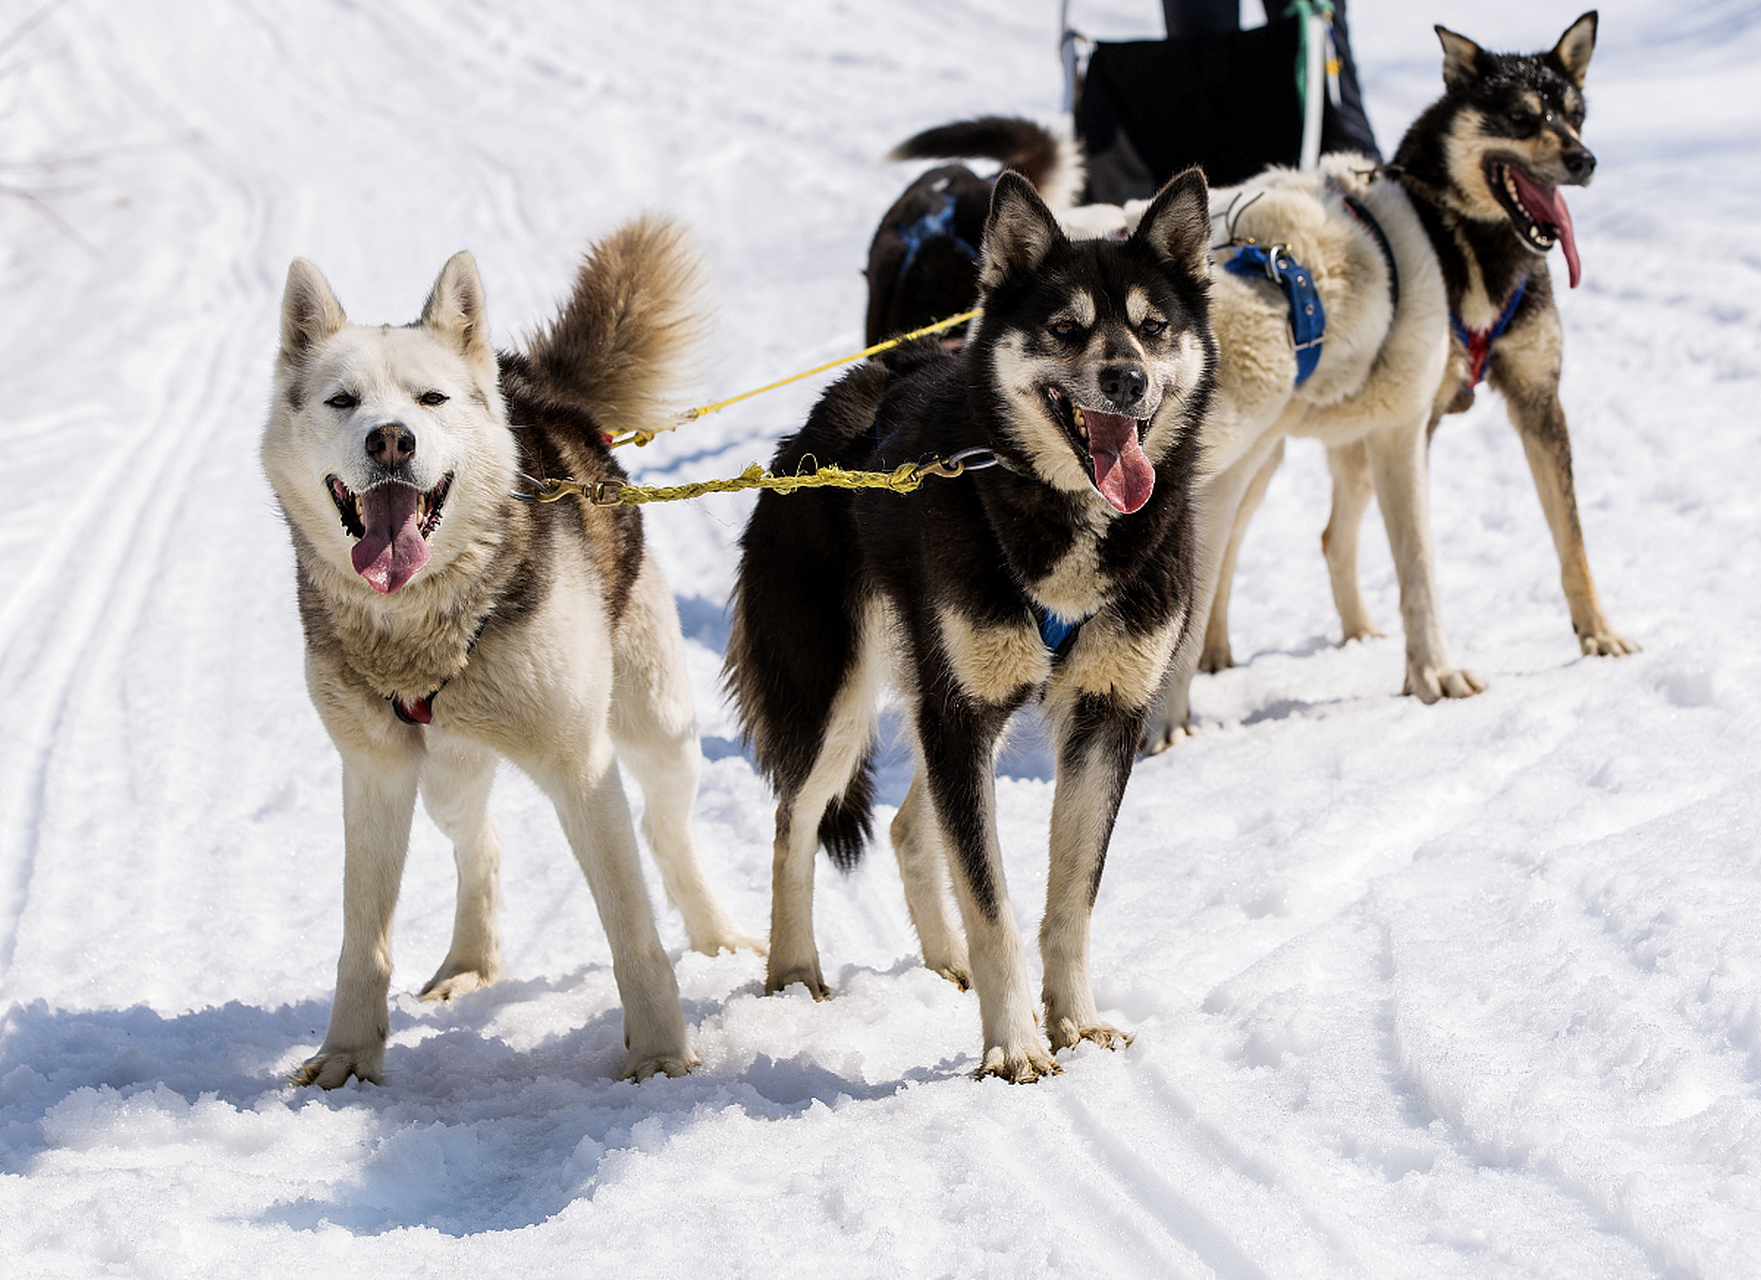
{"type": "Point", "coordinates": [1081, 422]}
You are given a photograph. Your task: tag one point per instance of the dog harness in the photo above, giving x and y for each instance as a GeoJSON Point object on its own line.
{"type": "Point", "coordinates": [1308, 318]}
{"type": "Point", "coordinates": [1055, 632]}
{"type": "Point", "coordinates": [932, 226]}
{"type": "Point", "coordinates": [1367, 220]}
{"type": "Point", "coordinates": [421, 711]}
{"type": "Point", "coordinates": [1479, 342]}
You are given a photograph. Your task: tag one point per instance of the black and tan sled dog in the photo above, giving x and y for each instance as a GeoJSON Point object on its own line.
{"type": "Point", "coordinates": [448, 625]}
{"type": "Point", "coordinates": [1432, 275]}
{"type": "Point", "coordinates": [1062, 574]}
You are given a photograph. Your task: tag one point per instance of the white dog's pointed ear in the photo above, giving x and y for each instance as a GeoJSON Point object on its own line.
{"type": "Point", "coordinates": [310, 312]}
{"type": "Point", "coordinates": [1019, 232]}
{"type": "Point", "coordinates": [1573, 51]}
{"type": "Point", "coordinates": [1462, 59]}
{"type": "Point", "coordinates": [1177, 225]}
{"type": "Point", "coordinates": [456, 311]}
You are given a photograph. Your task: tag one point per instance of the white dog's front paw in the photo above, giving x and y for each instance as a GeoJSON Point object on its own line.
{"type": "Point", "coordinates": [726, 936]}
{"type": "Point", "coordinates": [330, 1068]}
{"type": "Point", "coordinates": [1604, 643]}
{"type": "Point", "coordinates": [1429, 684]}
{"type": "Point", "coordinates": [1067, 1033]}
{"type": "Point", "coordinates": [458, 978]}
{"type": "Point", "coordinates": [1021, 1063]}
{"type": "Point", "coordinates": [779, 977]}
{"type": "Point", "coordinates": [672, 1063]}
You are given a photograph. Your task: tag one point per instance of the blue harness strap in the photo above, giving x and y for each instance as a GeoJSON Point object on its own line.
{"type": "Point", "coordinates": [1479, 342]}
{"type": "Point", "coordinates": [1308, 318]}
{"type": "Point", "coordinates": [1056, 633]}
{"type": "Point", "coordinates": [931, 226]}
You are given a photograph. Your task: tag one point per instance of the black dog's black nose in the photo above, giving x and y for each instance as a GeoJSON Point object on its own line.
{"type": "Point", "coordinates": [1579, 163]}
{"type": "Point", "coordinates": [1123, 384]}
{"type": "Point", "coordinates": [391, 444]}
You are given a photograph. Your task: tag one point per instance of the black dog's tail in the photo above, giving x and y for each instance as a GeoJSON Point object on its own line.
{"type": "Point", "coordinates": [797, 614]}
{"type": "Point", "coordinates": [1052, 163]}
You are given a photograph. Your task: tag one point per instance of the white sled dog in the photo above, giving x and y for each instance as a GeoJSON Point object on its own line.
{"type": "Point", "coordinates": [448, 624]}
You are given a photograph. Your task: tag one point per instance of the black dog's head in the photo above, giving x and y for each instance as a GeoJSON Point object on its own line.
{"type": "Point", "coordinates": [1099, 352]}
{"type": "Point", "coordinates": [1505, 136]}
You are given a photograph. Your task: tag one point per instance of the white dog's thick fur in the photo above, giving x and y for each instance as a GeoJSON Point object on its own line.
{"type": "Point", "coordinates": [1370, 400]}
{"type": "Point", "coordinates": [542, 634]}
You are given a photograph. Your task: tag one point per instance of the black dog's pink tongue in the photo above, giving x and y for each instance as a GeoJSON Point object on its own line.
{"type": "Point", "coordinates": [1547, 206]}
{"type": "Point", "coordinates": [392, 549]}
{"type": "Point", "coordinates": [1123, 473]}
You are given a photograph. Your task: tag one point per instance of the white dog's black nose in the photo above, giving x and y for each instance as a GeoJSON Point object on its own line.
{"type": "Point", "coordinates": [1123, 384]}
{"type": "Point", "coordinates": [391, 444]}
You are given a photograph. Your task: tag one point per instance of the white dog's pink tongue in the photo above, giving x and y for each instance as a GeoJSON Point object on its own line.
{"type": "Point", "coordinates": [392, 549]}
{"type": "Point", "coordinates": [1123, 473]}
{"type": "Point", "coordinates": [1548, 206]}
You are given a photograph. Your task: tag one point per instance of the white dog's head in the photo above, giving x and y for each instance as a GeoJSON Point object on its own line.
{"type": "Point", "coordinates": [385, 445]}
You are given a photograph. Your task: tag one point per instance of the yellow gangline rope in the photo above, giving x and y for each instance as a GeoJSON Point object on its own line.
{"type": "Point", "coordinates": [691, 415]}
{"type": "Point", "coordinates": [905, 478]}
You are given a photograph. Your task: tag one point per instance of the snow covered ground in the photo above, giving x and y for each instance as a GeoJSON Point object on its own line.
{"type": "Point", "coordinates": [1466, 990]}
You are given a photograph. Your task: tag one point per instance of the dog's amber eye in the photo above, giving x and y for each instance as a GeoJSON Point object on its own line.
{"type": "Point", "coordinates": [1152, 326]}
{"type": "Point", "coordinates": [1065, 328]}
{"type": "Point", "coordinates": [432, 398]}
{"type": "Point", "coordinates": [1522, 118]}
{"type": "Point", "coordinates": [343, 400]}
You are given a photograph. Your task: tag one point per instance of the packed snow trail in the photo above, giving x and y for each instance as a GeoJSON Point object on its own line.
{"type": "Point", "coordinates": [1468, 990]}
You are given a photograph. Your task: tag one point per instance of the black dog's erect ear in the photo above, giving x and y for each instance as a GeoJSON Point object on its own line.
{"type": "Point", "coordinates": [1462, 59]}
{"type": "Point", "coordinates": [1177, 225]}
{"type": "Point", "coordinates": [310, 312]}
{"type": "Point", "coordinates": [1573, 51]}
{"type": "Point", "coordinates": [1019, 233]}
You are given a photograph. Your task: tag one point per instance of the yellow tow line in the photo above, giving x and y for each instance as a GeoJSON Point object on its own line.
{"type": "Point", "coordinates": [901, 479]}
{"type": "Point", "coordinates": [640, 438]}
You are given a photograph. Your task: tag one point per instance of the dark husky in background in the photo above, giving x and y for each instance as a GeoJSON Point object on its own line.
{"type": "Point", "coordinates": [448, 625]}
{"type": "Point", "coordinates": [923, 261]}
{"type": "Point", "coordinates": [1472, 200]}
{"type": "Point", "coordinates": [1062, 574]}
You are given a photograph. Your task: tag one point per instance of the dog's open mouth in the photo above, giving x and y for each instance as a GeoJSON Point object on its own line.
{"type": "Point", "coordinates": [1113, 445]}
{"type": "Point", "coordinates": [1537, 212]}
{"type": "Point", "coordinates": [391, 523]}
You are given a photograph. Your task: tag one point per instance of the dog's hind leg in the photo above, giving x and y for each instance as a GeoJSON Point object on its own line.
{"type": "Point", "coordinates": [1214, 507]}
{"type": "Point", "coordinates": [1349, 465]}
{"type": "Point", "coordinates": [589, 800]}
{"type": "Point", "coordinates": [1217, 655]}
{"type": "Point", "coordinates": [923, 866]}
{"type": "Point", "coordinates": [844, 744]}
{"type": "Point", "coordinates": [654, 727]}
{"type": "Point", "coordinates": [378, 802]}
{"type": "Point", "coordinates": [456, 778]}
{"type": "Point", "coordinates": [1398, 470]}
{"type": "Point", "coordinates": [1527, 372]}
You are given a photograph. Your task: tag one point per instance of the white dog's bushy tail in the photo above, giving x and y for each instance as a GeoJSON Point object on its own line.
{"type": "Point", "coordinates": [619, 343]}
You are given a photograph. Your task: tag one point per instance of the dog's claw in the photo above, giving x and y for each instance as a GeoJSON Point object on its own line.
{"type": "Point", "coordinates": [1605, 644]}
{"type": "Point", "coordinates": [1025, 1065]}
{"type": "Point", "coordinates": [1431, 685]}
{"type": "Point", "coordinates": [332, 1070]}
{"type": "Point", "coordinates": [1064, 1033]}
{"type": "Point", "coordinates": [809, 978]}
{"type": "Point", "coordinates": [672, 1065]}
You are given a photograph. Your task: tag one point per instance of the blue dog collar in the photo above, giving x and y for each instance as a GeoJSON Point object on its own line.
{"type": "Point", "coordinates": [1308, 318]}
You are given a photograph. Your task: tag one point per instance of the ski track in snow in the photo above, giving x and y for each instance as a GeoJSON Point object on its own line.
{"type": "Point", "coordinates": [1469, 990]}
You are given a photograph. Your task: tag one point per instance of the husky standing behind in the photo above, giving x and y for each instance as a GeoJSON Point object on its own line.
{"type": "Point", "coordinates": [1063, 574]}
{"type": "Point", "coordinates": [448, 624]}
{"type": "Point", "coordinates": [1433, 275]}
